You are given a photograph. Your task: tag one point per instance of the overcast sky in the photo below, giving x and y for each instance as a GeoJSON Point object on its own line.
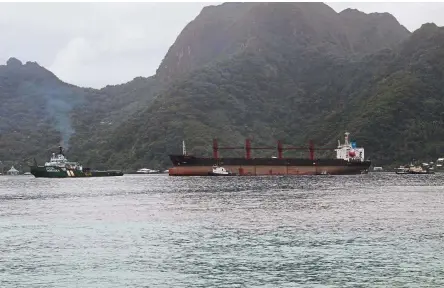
{"type": "Point", "coordinates": [95, 44]}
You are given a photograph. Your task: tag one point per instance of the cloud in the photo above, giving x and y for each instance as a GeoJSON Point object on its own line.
{"type": "Point", "coordinates": [121, 41]}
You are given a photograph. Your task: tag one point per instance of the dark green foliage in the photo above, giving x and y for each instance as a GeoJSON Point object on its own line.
{"type": "Point", "coordinates": [96, 120]}
{"type": "Point", "coordinates": [38, 112]}
{"type": "Point", "coordinates": [34, 112]}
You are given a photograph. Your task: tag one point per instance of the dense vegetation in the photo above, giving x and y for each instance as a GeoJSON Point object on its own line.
{"type": "Point", "coordinates": [268, 71]}
{"type": "Point", "coordinates": [34, 112]}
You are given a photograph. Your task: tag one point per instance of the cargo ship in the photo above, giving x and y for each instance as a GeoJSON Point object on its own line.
{"type": "Point", "coordinates": [349, 161]}
{"type": "Point", "coordinates": [59, 167]}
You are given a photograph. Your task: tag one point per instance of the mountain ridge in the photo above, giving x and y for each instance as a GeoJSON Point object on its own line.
{"type": "Point", "coordinates": [244, 23]}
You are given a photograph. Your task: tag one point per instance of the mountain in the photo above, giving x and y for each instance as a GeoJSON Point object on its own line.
{"type": "Point", "coordinates": [38, 112]}
{"type": "Point", "coordinates": [264, 70]}
{"type": "Point", "coordinates": [97, 118]}
{"type": "Point", "coordinates": [369, 33]}
{"type": "Point", "coordinates": [35, 110]}
{"type": "Point", "coordinates": [268, 71]}
{"type": "Point", "coordinates": [399, 113]}
{"type": "Point", "coordinates": [230, 28]}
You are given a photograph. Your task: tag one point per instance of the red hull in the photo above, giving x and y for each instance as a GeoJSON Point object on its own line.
{"type": "Point", "coordinates": [269, 170]}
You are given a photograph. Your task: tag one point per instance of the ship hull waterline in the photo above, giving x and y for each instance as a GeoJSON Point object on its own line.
{"type": "Point", "coordinates": [192, 166]}
{"type": "Point", "coordinates": [56, 172]}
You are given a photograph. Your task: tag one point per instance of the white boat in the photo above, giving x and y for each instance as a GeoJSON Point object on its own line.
{"type": "Point", "coordinates": [220, 171]}
{"type": "Point", "coordinates": [401, 170]}
{"type": "Point", "coordinates": [147, 171]}
{"type": "Point", "coordinates": [439, 165]}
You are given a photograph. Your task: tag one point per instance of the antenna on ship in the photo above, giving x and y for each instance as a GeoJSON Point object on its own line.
{"type": "Point", "coordinates": [346, 138]}
{"type": "Point", "coordinates": [184, 150]}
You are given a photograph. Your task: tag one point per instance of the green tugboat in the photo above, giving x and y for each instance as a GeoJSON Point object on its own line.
{"type": "Point", "coordinates": [59, 167]}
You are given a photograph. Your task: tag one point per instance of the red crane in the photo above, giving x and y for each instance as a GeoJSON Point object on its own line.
{"type": "Point", "coordinates": [280, 149]}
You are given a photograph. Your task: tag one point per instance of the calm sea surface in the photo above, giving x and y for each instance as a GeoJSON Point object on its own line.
{"type": "Point", "coordinates": [375, 230]}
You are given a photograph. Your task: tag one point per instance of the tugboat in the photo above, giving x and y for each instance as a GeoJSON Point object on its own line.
{"type": "Point", "coordinates": [59, 167]}
{"type": "Point", "coordinates": [220, 171]}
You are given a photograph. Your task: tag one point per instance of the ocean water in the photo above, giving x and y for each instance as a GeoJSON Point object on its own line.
{"type": "Point", "coordinates": [375, 230]}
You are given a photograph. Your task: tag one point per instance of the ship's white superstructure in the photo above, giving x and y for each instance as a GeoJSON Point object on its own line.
{"type": "Point", "coordinates": [348, 151]}
{"type": "Point", "coordinates": [60, 160]}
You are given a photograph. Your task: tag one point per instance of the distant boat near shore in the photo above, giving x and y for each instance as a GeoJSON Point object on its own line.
{"type": "Point", "coordinates": [425, 168]}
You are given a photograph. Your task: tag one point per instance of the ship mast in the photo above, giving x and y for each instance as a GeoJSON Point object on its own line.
{"type": "Point", "coordinates": [346, 138]}
{"type": "Point", "coordinates": [184, 150]}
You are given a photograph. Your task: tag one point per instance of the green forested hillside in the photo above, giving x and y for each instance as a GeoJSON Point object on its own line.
{"type": "Point", "coordinates": [96, 119]}
{"type": "Point", "coordinates": [34, 112]}
{"type": "Point", "coordinates": [38, 112]}
{"type": "Point", "coordinates": [399, 116]}
{"type": "Point", "coordinates": [267, 71]}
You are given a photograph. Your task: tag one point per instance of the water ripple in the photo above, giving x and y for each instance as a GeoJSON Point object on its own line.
{"type": "Point", "coordinates": [375, 230]}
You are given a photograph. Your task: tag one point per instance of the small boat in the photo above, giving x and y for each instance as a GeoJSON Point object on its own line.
{"type": "Point", "coordinates": [147, 171]}
{"type": "Point", "coordinates": [220, 171]}
{"type": "Point", "coordinates": [439, 165]}
{"type": "Point", "coordinates": [401, 170]}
